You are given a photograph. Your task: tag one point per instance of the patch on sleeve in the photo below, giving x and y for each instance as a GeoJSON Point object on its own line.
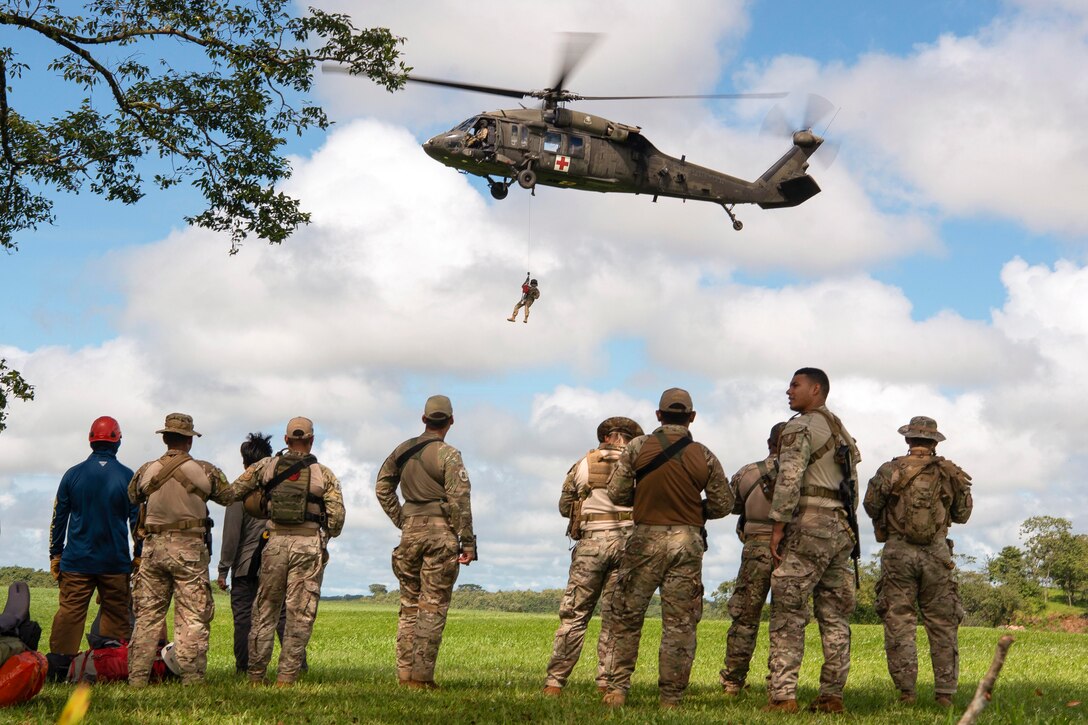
{"type": "Point", "coordinates": [788, 440]}
{"type": "Point", "coordinates": [463, 475]}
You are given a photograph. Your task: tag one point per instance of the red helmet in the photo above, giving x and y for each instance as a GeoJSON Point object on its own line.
{"type": "Point", "coordinates": [105, 429]}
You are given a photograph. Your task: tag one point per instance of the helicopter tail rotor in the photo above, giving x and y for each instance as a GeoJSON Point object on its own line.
{"type": "Point", "coordinates": [817, 109]}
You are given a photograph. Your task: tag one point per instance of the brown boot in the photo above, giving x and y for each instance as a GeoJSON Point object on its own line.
{"type": "Point", "coordinates": [422, 685]}
{"type": "Point", "coordinates": [907, 697]}
{"type": "Point", "coordinates": [732, 689]}
{"type": "Point", "coordinates": [943, 700]}
{"type": "Point", "coordinates": [602, 689]}
{"type": "Point", "coordinates": [285, 683]}
{"type": "Point", "coordinates": [669, 704]}
{"type": "Point", "coordinates": [614, 698]}
{"type": "Point", "coordinates": [827, 703]}
{"type": "Point", "coordinates": [552, 691]}
{"type": "Point", "coordinates": [781, 706]}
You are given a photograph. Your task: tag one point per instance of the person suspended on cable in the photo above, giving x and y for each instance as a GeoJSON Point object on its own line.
{"type": "Point", "coordinates": [530, 292]}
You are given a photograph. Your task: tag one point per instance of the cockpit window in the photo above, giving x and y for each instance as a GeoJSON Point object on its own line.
{"type": "Point", "coordinates": [466, 125]}
{"type": "Point", "coordinates": [552, 140]}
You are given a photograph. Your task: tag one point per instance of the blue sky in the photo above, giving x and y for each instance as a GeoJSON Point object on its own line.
{"type": "Point", "coordinates": [940, 272]}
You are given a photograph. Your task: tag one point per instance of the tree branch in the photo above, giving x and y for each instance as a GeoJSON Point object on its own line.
{"type": "Point", "coordinates": [986, 687]}
{"type": "Point", "coordinates": [5, 133]}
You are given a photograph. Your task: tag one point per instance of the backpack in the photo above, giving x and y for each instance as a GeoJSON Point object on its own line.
{"type": "Point", "coordinates": [919, 487]}
{"type": "Point", "coordinates": [22, 677]}
{"type": "Point", "coordinates": [287, 492]}
{"type": "Point", "coordinates": [108, 664]}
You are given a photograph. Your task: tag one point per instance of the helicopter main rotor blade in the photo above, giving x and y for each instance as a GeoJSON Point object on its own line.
{"type": "Point", "coordinates": [493, 90]}
{"type": "Point", "coordinates": [697, 96]}
{"type": "Point", "coordinates": [575, 48]}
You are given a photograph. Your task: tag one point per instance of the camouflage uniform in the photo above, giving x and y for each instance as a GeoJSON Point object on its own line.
{"type": "Point", "coordinates": [665, 550]}
{"type": "Point", "coordinates": [815, 556]}
{"type": "Point", "coordinates": [436, 526]}
{"type": "Point", "coordinates": [175, 559]}
{"type": "Point", "coordinates": [292, 566]}
{"type": "Point", "coordinates": [594, 565]}
{"type": "Point", "coordinates": [754, 578]}
{"type": "Point", "coordinates": [919, 574]}
{"type": "Point", "coordinates": [530, 294]}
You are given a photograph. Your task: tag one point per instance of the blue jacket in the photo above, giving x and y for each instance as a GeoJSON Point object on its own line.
{"type": "Point", "coordinates": [93, 511]}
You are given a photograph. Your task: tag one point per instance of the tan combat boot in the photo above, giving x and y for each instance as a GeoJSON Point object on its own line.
{"type": "Point", "coordinates": [553, 691]}
{"type": "Point", "coordinates": [614, 698]}
{"type": "Point", "coordinates": [732, 689]}
{"type": "Point", "coordinates": [422, 685]}
{"type": "Point", "coordinates": [907, 697]}
{"type": "Point", "coordinates": [943, 700]}
{"type": "Point", "coordinates": [827, 703]}
{"type": "Point", "coordinates": [781, 706]}
{"type": "Point", "coordinates": [669, 704]}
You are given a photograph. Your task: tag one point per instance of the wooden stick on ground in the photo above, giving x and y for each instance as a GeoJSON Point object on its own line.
{"type": "Point", "coordinates": [986, 687]}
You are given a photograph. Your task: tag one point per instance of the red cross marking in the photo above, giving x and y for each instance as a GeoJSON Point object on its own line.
{"type": "Point", "coordinates": [561, 163]}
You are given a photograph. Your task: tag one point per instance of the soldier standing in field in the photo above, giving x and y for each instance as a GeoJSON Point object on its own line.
{"type": "Point", "coordinates": [89, 546]}
{"type": "Point", "coordinates": [530, 293]}
{"type": "Point", "coordinates": [601, 528]}
{"type": "Point", "coordinates": [663, 475]}
{"type": "Point", "coordinates": [436, 537]}
{"type": "Point", "coordinates": [303, 501]}
{"type": "Point", "coordinates": [240, 552]}
{"type": "Point", "coordinates": [173, 490]}
{"type": "Point", "coordinates": [753, 488]}
{"type": "Point", "coordinates": [811, 543]}
{"type": "Point", "coordinates": [913, 499]}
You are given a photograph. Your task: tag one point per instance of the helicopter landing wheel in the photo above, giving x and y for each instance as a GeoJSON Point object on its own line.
{"type": "Point", "coordinates": [527, 179]}
{"type": "Point", "coordinates": [499, 191]}
{"type": "Point", "coordinates": [737, 224]}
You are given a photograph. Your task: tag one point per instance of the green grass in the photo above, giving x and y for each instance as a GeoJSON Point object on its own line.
{"type": "Point", "coordinates": [492, 667]}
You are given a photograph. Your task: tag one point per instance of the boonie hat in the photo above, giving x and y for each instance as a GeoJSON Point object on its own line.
{"type": "Point", "coordinates": [179, 423]}
{"type": "Point", "coordinates": [300, 428]}
{"type": "Point", "coordinates": [921, 427]}
{"type": "Point", "coordinates": [628, 427]}
{"type": "Point", "coordinates": [675, 400]}
{"type": "Point", "coordinates": [438, 407]}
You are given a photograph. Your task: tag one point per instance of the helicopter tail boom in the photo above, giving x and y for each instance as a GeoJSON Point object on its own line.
{"type": "Point", "coordinates": [787, 180]}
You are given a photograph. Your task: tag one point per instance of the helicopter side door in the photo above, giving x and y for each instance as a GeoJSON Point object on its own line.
{"type": "Point", "coordinates": [564, 157]}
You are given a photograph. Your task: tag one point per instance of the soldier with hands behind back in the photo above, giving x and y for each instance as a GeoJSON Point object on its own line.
{"type": "Point", "coordinates": [304, 504]}
{"type": "Point", "coordinates": [913, 499]}
{"type": "Point", "coordinates": [172, 492]}
{"type": "Point", "coordinates": [600, 529]}
{"type": "Point", "coordinates": [812, 543]}
{"type": "Point", "coordinates": [436, 537]}
{"type": "Point", "coordinates": [663, 476]}
{"type": "Point", "coordinates": [753, 488]}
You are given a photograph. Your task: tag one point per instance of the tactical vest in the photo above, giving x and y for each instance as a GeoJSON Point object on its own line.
{"type": "Point", "coordinates": [757, 500]}
{"type": "Point", "coordinates": [920, 498]}
{"type": "Point", "coordinates": [286, 486]}
{"type": "Point", "coordinates": [599, 468]}
{"type": "Point", "coordinates": [171, 471]}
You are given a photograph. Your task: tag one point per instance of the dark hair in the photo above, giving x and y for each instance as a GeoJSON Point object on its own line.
{"type": "Point", "coordinates": [817, 376]}
{"type": "Point", "coordinates": [436, 423]}
{"type": "Point", "coordinates": [926, 442]}
{"type": "Point", "coordinates": [256, 447]}
{"type": "Point", "coordinates": [669, 417]}
{"type": "Point", "coordinates": [174, 439]}
{"type": "Point", "coordinates": [110, 446]}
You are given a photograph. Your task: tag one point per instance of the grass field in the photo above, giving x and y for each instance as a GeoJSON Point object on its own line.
{"type": "Point", "coordinates": [492, 664]}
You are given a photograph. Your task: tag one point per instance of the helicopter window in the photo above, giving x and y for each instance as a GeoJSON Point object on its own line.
{"type": "Point", "coordinates": [577, 147]}
{"type": "Point", "coordinates": [524, 136]}
{"type": "Point", "coordinates": [552, 140]}
{"type": "Point", "coordinates": [466, 125]}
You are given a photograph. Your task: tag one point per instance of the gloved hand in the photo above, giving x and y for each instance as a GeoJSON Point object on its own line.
{"type": "Point", "coordinates": [136, 560]}
{"type": "Point", "coordinates": [54, 567]}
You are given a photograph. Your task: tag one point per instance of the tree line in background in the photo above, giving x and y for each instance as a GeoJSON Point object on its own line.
{"type": "Point", "coordinates": [1013, 586]}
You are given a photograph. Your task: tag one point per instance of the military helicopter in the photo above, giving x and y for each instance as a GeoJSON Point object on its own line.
{"type": "Point", "coordinates": [558, 146]}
